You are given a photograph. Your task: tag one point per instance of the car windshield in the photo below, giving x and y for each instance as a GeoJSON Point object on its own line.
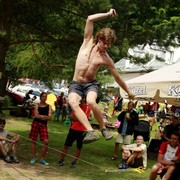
{"type": "Point", "coordinates": [36, 93]}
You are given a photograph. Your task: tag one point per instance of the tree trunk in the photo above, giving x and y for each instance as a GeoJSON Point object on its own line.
{"type": "Point", "coordinates": [5, 34]}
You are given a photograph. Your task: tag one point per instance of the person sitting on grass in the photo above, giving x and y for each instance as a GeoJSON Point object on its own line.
{"type": "Point", "coordinates": [106, 116]}
{"type": "Point", "coordinates": [169, 152]}
{"type": "Point", "coordinates": [76, 133]}
{"type": "Point", "coordinates": [134, 155]}
{"type": "Point", "coordinates": [8, 143]}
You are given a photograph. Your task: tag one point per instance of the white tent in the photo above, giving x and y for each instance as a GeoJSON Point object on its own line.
{"type": "Point", "coordinates": [157, 86]}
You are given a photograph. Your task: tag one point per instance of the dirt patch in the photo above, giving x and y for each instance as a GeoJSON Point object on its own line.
{"type": "Point", "coordinates": [24, 171]}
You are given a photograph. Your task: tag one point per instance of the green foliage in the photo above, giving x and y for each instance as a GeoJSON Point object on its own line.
{"type": "Point", "coordinates": [44, 36]}
{"type": "Point", "coordinates": [6, 101]}
{"type": "Point", "coordinates": [141, 60]}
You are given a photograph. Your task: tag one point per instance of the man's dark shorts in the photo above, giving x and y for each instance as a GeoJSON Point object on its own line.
{"type": "Point", "coordinates": [82, 88]}
{"type": "Point", "coordinates": [137, 162]}
{"type": "Point", "coordinates": [75, 135]}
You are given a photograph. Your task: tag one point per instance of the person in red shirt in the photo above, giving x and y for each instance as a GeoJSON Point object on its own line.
{"type": "Point", "coordinates": [76, 133]}
{"type": "Point", "coordinates": [60, 107]}
{"type": "Point", "coordinates": [169, 152]}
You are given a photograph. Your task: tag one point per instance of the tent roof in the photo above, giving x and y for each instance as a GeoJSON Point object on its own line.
{"type": "Point", "coordinates": [170, 73]}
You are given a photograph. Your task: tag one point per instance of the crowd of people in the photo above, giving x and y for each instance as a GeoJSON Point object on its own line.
{"type": "Point", "coordinates": [133, 154]}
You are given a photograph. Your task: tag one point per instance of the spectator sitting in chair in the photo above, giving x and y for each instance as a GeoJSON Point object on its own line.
{"type": "Point", "coordinates": [134, 155]}
{"type": "Point", "coordinates": [8, 146]}
{"type": "Point", "coordinates": [169, 152]}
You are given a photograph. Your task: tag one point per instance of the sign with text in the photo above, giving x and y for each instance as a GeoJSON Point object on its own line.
{"type": "Point", "coordinates": [174, 90]}
{"type": "Point", "coordinates": [138, 90]}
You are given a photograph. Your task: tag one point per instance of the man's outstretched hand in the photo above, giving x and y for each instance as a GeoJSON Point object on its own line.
{"type": "Point", "coordinates": [112, 12]}
{"type": "Point", "coordinates": [131, 96]}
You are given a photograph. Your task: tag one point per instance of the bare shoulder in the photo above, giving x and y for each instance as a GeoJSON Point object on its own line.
{"type": "Point", "coordinates": [87, 43]}
{"type": "Point", "coordinates": [108, 60]}
{"type": "Point", "coordinates": [50, 107]}
{"type": "Point", "coordinates": [36, 105]}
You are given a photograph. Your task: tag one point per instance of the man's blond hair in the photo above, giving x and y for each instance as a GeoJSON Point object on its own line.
{"type": "Point", "coordinates": [106, 34]}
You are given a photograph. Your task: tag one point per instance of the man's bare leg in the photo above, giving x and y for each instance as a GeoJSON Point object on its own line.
{"type": "Point", "coordinates": [169, 173]}
{"type": "Point", "coordinates": [131, 158]}
{"type": "Point", "coordinates": [74, 100]}
{"type": "Point", "coordinates": [154, 170]}
{"type": "Point", "coordinates": [91, 101]}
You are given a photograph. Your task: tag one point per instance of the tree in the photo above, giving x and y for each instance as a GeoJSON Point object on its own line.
{"type": "Point", "coordinates": [40, 39]}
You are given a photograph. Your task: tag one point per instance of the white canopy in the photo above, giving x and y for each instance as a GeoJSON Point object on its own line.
{"type": "Point", "coordinates": [157, 86]}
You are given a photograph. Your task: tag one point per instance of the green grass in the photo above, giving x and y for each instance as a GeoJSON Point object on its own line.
{"type": "Point", "coordinates": [93, 161]}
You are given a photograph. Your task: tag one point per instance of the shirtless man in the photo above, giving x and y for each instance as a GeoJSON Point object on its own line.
{"type": "Point", "coordinates": [92, 55]}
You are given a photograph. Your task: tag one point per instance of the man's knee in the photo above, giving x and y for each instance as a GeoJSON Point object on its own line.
{"type": "Point", "coordinates": [74, 104]}
{"type": "Point", "coordinates": [155, 168]}
{"type": "Point", "coordinates": [135, 154]}
{"type": "Point", "coordinates": [126, 154]}
{"type": "Point", "coordinates": [91, 103]}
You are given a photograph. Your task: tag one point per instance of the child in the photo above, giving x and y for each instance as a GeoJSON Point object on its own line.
{"type": "Point", "coordinates": [76, 133]}
{"type": "Point", "coordinates": [106, 116]}
{"type": "Point", "coordinates": [8, 146]}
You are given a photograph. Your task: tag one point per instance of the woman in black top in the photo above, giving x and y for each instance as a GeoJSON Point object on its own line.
{"type": "Point", "coordinates": [42, 113]}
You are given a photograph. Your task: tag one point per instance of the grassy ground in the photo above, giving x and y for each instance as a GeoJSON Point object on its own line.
{"type": "Point", "coordinates": [94, 158]}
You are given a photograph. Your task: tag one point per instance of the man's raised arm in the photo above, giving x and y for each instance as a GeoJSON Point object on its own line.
{"type": "Point", "coordinates": [93, 18]}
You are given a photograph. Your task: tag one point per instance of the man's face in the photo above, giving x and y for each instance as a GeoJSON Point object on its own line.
{"type": "Point", "coordinates": [174, 120]}
{"type": "Point", "coordinates": [104, 45]}
{"type": "Point", "coordinates": [174, 141]}
{"type": "Point", "coordinates": [139, 140]}
{"type": "Point", "coordinates": [130, 106]}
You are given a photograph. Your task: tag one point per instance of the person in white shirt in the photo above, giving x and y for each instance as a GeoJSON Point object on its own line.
{"type": "Point", "coordinates": [134, 155]}
{"type": "Point", "coordinates": [8, 143]}
{"type": "Point", "coordinates": [169, 153]}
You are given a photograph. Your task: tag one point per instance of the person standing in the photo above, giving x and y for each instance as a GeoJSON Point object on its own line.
{"type": "Point", "coordinates": [76, 133]}
{"type": "Point", "coordinates": [117, 105]}
{"type": "Point", "coordinates": [92, 55]}
{"type": "Point", "coordinates": [60, 107]}
{"type": "Point", "coordinates": [128, 118]}
{"type": "Point", "coordinates": [42, 113]}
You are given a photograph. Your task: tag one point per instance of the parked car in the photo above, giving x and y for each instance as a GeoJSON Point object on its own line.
{"type": "Point", "coordinates": [17, 95]}
{"type": "Point", "coordinates": [16, 99]}
{"type": "Point", "coordinates": [107, 99]}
